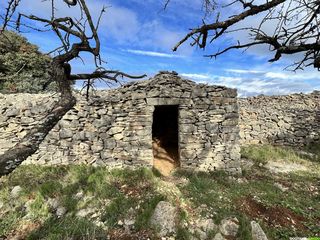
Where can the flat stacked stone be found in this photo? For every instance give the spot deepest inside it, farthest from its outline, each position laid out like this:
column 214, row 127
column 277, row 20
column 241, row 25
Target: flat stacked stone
column 114, row 128
column 292, row 120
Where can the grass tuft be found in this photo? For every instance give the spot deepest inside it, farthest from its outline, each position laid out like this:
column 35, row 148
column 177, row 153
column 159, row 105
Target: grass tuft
column 68, row 228
column 264, row 153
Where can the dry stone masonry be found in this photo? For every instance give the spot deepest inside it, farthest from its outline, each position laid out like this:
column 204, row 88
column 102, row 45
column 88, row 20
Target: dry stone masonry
column 292, row 120
column 115, row 127
column 19, row 113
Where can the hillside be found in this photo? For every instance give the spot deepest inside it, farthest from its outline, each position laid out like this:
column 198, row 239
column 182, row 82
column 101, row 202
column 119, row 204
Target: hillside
column 23, row 68
column 279, row 190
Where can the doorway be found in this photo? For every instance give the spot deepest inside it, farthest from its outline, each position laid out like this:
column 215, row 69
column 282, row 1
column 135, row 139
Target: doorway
column 165, row 140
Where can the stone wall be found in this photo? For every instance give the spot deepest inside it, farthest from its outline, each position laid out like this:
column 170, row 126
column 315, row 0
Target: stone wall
column 115, row 127
column 292, row 120
column 19, row 113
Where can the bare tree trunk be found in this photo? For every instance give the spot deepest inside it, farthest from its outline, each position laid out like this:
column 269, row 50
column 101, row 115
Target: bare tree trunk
column 28, row 145
column 68, row 30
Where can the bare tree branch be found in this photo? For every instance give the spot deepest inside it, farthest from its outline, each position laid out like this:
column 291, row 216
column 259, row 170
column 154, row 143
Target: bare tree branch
column 296, row 28
column 76, row 36
column 9, row 11
column 203, row 30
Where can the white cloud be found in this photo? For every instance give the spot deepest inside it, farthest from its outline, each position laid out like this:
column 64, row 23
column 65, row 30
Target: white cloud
column 243, row 71
column 196, row 76
column 154, row 35
column 153, row 54
column 277, row 73
column 121, row 24
column 248, row 85
column 292, row 76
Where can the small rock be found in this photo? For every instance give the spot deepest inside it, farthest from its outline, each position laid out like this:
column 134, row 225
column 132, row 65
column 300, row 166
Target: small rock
column 12, row 112
column 28, row 204
column 61, row 211
column 241, row 180
column 163, row 218
column 229, row 226
column 257, row 232
column 95, row 215
column 207, row 225
column 85, row 212
column 202, row 235
column 53, row 203
column 281, row 187
column 65, row 133
column 129, row 222
column 120, row 223
column 15, row 192
column 87, row 198
column 219, row 236
column 79, row 195
column 3, row 124
column 28, row 210
column 102, row 225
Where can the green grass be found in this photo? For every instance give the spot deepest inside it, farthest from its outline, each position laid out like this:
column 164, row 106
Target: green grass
column 264, row 153
column 221, row 195
column 114, row 194
column 313, row 148
column 9, row 222
column 98, row 185
column 68, row 228
column 183, row 233
column 146, row 211
column 50, row 188
column 39, row 210
column 117, row 209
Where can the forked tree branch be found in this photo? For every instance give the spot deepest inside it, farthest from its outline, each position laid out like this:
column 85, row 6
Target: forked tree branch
column 76, row 36
column 296, row 28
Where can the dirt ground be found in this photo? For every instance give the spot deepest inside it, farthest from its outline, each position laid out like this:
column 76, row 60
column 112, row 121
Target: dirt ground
column 274, row 216
column 165, row 159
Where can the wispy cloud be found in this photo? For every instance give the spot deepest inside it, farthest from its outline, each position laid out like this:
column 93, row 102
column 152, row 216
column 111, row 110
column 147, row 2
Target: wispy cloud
column 243, row 71
column 196, row 76
column 292, row 75
column 248, row 85
column 153, row 54
column 275, row 73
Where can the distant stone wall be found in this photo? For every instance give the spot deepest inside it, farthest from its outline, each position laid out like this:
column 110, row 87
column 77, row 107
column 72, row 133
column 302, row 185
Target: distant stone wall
column 115, row 127
column 292, row 120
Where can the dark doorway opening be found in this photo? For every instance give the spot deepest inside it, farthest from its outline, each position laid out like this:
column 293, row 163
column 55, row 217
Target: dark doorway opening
column 165, row 138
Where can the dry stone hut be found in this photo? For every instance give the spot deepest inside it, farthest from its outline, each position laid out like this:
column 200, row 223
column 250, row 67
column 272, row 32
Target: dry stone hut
column 165, row 122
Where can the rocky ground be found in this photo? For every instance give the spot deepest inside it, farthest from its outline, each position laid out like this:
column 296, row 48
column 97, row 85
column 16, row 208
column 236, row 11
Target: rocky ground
column 277, row 197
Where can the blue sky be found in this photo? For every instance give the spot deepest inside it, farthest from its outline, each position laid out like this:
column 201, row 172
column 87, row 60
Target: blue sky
column 137, row 37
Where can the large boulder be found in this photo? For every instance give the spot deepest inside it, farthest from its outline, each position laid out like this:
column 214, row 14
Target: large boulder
column 163, row 219
column 229, row 227
column 257, row 232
